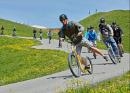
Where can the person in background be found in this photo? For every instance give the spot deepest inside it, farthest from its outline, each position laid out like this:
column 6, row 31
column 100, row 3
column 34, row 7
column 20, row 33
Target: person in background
column 91, row 37
column 14, row 31
column 49, row 34
column 2, row 30
column 107, row 36
column 118, row 33
column 40, row 33
column 86, row 36
column 86, row 32
column 34, row 33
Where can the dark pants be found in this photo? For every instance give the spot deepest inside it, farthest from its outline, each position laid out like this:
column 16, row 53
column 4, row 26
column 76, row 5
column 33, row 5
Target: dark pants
column 49, row 39
column 118, row 40
column 34, row 35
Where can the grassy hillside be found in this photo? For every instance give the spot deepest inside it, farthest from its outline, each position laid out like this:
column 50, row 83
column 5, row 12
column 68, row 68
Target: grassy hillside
column 120, row 16
column 21, row 29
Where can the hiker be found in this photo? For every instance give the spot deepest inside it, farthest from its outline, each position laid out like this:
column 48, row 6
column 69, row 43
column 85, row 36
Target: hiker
column 49, row 34
column 14, row 31
column 34, row 33
column 2, row 30
column 40, row 33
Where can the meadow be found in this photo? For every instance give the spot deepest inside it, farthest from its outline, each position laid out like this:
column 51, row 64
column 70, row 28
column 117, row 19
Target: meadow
column 19, row 62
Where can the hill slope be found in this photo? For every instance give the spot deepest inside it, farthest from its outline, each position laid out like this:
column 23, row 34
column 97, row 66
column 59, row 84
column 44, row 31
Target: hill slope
column 120, row 16
column 21, row 29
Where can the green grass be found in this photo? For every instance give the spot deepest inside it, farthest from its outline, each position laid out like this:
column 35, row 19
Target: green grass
column 116, row 85
column 22, row 29
column 18, row 61
column 120, row 16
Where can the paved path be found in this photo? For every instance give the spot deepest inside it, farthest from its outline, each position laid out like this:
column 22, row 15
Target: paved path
column 56, row 82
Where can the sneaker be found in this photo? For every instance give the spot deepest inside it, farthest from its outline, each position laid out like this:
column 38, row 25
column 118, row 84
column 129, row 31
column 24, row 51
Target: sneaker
column 87, row 67
column 105, row 57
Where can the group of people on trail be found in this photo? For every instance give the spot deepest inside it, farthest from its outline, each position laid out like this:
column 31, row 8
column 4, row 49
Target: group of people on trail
column 13, row 31
column 49, row 34
column 74, row 31
column 111, row 34
column 35, row 34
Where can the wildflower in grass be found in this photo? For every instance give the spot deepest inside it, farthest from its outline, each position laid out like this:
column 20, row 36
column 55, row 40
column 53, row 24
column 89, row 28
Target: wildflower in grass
column 21, row 62
column 15, row 47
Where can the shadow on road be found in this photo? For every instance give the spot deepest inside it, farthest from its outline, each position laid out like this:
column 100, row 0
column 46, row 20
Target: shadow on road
column 67, row 76
column 104, row 64
column 63, row 77
column 84, row 52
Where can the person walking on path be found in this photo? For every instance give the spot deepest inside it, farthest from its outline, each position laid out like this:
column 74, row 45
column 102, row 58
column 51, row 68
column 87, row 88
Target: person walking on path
column 40, row 33
column 49, row 34
column 14, row 31
column 2, row 30
column 34, row 33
